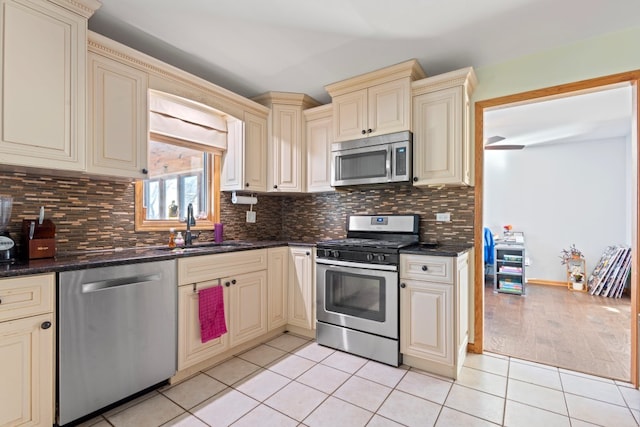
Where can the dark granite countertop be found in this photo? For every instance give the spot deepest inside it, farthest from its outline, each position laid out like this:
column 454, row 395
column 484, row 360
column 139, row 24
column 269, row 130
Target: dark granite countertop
column 103, row 258
column 446, row 250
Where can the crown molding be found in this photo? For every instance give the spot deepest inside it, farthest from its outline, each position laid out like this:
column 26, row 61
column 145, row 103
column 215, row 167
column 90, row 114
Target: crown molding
column 410, row 69
column 84, row 8
column 462, row 77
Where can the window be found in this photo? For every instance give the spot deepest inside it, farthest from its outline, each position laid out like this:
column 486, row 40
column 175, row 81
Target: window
column 179, row 175
column 181, row 178
column 186, row 142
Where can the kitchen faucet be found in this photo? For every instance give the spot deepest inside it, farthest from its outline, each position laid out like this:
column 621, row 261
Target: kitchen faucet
column 188, row 238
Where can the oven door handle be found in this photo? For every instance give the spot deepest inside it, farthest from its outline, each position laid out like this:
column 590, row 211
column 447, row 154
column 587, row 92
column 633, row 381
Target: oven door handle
column 381, row 267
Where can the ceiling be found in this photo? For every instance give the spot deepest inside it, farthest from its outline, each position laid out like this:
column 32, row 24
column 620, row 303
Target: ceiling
column 256, row 46
column 600, row 115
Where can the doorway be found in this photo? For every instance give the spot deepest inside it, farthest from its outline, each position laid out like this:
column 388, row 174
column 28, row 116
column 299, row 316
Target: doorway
column 630, row 79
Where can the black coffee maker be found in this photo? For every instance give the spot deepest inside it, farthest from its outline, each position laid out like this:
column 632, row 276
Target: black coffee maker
column 7, row 244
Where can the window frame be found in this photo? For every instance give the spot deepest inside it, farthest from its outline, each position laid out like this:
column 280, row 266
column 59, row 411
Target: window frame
column 213, row 184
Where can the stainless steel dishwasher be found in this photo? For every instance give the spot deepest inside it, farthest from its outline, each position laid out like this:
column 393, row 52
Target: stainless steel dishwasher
column 117, row 334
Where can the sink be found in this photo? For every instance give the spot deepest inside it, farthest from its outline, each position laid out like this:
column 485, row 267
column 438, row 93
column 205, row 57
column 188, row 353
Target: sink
column 207, row 246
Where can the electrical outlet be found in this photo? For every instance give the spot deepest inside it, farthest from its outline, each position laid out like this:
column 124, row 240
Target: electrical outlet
column 251, row 216
column 443, row 217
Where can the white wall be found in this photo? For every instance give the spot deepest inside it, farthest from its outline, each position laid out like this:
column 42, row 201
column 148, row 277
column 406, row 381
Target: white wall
column 559, row 195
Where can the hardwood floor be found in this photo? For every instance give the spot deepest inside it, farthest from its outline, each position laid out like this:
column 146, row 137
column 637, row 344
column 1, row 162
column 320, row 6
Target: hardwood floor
column 558, row 327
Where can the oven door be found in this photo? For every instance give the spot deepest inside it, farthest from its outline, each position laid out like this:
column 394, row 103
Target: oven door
column 359, row 297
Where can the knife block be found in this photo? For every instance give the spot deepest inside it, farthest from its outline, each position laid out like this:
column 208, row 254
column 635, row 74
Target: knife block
column 43, row 243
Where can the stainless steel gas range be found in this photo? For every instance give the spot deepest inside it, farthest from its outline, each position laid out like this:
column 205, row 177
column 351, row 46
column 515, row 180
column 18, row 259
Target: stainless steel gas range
column 357, row 303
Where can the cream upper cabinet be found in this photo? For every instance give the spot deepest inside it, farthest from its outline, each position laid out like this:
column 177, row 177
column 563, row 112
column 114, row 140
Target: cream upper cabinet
column 301, row 293
column 43, row 74
column 434, row 312
column 442, row 146
column 26, row 350
column 319, row 136
column 118, row 116
column 255, row 156
column 375, row 103
column 244, row 164
column 277, row 286
column 378, row 110
column 286, row 160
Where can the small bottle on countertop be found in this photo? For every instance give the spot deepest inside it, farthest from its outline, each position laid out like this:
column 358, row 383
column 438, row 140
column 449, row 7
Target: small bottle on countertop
column 218, row 233
column 172, row 234
column 179, row 240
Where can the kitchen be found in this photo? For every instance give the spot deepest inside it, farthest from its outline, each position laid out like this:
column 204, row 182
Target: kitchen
column 102, row 210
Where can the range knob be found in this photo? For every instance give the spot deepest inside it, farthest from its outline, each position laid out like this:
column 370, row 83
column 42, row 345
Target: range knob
column 335, row 254
column 369, row 257
column 326, row 253
column 381, row 257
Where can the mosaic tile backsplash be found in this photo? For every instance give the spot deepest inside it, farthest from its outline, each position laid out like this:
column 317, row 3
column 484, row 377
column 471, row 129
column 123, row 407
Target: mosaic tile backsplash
column 99, row 214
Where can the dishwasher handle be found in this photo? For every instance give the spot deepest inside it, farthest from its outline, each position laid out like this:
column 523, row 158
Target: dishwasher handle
column 121, row 281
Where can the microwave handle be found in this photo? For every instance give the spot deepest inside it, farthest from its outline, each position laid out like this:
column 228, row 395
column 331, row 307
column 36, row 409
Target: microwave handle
column 389, row 162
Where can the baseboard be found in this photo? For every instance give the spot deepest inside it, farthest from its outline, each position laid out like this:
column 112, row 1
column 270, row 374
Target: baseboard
column 545, row 282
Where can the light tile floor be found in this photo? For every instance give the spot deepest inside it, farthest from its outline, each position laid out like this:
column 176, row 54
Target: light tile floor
column 291, row 381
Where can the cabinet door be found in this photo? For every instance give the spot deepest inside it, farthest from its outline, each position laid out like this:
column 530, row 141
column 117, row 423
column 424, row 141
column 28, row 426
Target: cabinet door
column 286, row 160
column 462, row 301
column 426, row 320
column 438, row 137
column 301, row 304
column 278, row 261
column 43, row 75
column 248, row 306
column 389, row 107
column 26, row 369
column 350, row 115
column 319, row 136
column 232, row 173
column 118, row 114
column 191, row 350
column 255, row 152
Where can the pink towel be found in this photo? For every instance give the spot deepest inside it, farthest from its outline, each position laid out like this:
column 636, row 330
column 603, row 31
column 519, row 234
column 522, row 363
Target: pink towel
column 211, row 313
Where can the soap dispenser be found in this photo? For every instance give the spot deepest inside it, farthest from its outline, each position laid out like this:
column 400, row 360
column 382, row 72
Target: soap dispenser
column 172, row 240
column 179, row 239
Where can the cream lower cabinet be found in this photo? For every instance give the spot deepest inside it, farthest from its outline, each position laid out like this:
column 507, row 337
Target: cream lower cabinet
column 118, row 111
column 301, row 305
column 247, row 306
column 243, row 276
column 26, row 350
column 43, row 73
column 434, row 313
column 191, row 350
column 442, row 146
column 277, row 283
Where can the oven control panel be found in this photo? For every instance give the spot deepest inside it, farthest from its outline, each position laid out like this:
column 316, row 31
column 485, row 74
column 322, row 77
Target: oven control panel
column 371, row 257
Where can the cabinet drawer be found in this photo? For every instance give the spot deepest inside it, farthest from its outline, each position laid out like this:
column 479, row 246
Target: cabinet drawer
column 209, row 267
column 26, row 296
column 431, row 268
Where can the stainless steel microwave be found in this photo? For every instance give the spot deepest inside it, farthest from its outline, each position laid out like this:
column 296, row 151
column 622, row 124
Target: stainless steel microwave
column 375, row 160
